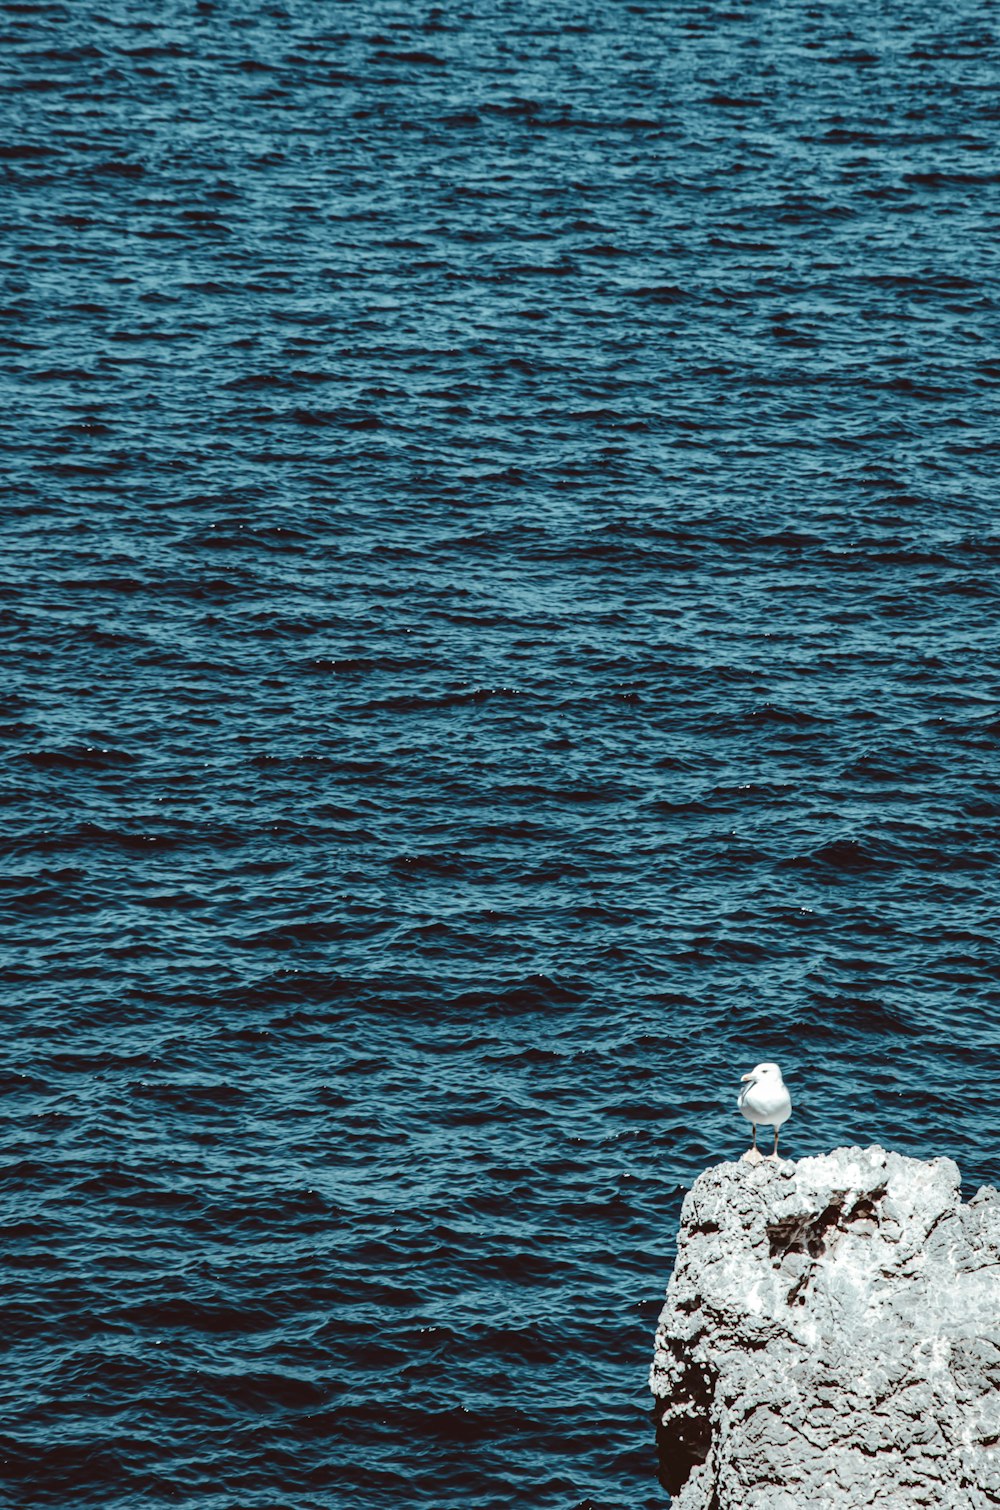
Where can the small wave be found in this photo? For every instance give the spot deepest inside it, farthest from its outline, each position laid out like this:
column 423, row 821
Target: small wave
column 190, row 1098
column 416, row 58
column 80, row 758
column 846, row 856
column 441, row 701
column 294, row 935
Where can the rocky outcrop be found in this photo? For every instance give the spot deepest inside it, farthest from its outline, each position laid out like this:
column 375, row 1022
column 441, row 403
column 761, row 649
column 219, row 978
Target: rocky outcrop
column 831, row 1337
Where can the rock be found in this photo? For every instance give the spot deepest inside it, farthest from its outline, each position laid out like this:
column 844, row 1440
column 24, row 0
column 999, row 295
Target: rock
column 831, row 1337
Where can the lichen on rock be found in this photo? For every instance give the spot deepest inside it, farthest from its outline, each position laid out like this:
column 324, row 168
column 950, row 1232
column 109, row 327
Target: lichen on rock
column 831, row 1338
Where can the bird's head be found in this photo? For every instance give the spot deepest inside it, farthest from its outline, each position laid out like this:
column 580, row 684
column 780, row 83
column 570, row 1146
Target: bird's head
column 759, row 1071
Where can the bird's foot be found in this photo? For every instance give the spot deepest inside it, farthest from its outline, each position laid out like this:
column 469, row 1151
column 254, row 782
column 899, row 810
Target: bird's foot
column 753, row 1156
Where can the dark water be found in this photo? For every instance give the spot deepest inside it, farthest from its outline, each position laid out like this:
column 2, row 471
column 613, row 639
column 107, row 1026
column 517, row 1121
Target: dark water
column 500, row 614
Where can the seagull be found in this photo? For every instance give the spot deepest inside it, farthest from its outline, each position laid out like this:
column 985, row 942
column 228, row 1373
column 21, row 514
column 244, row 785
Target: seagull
column 764, row 1098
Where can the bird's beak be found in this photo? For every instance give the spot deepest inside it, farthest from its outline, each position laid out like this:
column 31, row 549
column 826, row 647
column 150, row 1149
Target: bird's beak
column 745, row 1078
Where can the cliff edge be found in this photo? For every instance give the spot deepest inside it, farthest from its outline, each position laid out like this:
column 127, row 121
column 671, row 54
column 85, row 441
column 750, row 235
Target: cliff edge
column 831, row 1337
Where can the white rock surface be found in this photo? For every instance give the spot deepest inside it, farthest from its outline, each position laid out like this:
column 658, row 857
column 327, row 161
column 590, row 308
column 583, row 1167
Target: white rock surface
column 831, row 1337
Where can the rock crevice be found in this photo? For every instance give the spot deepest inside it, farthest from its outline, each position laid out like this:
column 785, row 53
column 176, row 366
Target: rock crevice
column 831, row 1337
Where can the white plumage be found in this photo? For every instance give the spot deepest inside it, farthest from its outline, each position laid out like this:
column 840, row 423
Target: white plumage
column 764, row 1099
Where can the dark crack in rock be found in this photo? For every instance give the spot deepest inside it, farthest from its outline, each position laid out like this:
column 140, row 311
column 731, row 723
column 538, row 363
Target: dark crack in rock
column 831, row 1337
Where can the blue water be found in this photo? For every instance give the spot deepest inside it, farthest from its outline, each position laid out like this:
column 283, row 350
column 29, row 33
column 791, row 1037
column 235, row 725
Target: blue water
column 500, row 623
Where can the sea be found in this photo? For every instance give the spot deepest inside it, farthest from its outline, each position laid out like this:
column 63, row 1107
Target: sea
column 500, row 634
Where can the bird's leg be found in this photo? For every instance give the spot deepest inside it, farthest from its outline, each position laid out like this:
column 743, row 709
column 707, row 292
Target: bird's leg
column 775, row 1153
column 752, row 1154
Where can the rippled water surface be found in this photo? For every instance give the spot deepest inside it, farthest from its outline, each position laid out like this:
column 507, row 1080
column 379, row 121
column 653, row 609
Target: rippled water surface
column 499, row 612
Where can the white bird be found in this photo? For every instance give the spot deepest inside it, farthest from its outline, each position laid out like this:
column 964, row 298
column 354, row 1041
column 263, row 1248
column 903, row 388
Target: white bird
column 764, row 1098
